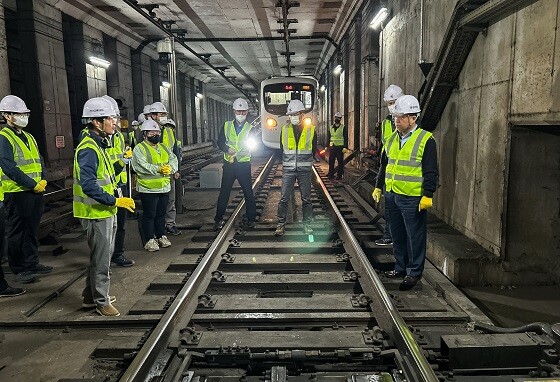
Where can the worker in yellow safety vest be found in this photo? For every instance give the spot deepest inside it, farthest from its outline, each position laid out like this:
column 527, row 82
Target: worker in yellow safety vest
column 409, row 174
column 23, row 182
column 298, row 144
column 337, row 142
column 153, row 163
column 237, row 142
column 96, row 201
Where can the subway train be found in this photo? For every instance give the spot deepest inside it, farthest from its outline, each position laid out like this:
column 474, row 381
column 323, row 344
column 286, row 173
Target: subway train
column 275, row 95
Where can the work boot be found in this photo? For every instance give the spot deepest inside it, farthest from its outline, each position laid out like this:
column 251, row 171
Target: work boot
column 384, row 241
column 108, row 311
column 121, row 261
column 279, row 230
column 409, row 282
column 219, row 225
column 91, row 304
column 250, row 224
column 172, row 230
column 164, row 242
column 12, row 292
column 307, row 229
column 152, row 245
column 26, row 277
column 41, row 269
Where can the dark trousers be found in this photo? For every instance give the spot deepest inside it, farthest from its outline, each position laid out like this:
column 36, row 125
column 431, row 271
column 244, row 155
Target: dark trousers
column 289, row 178
column 387, row 232
column 24, row 210
column 3, row 283
column 242, row 172
column 336, row 153
column 154, row 207
column 408, row 228
column 121, row 219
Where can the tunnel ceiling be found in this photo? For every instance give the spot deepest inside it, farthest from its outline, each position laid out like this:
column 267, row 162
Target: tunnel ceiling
column 248, row 61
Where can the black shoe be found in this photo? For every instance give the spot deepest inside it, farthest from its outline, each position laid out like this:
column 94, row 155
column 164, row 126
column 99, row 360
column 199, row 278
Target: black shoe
column 25, row 277
column 250, row 224
column 339, row 177
column 219, row 225
column 394, row 274
column 409, row 282
column 41, row 269
column 122, row 261
column 384, row 241
column 172, row 230
column 12, row 292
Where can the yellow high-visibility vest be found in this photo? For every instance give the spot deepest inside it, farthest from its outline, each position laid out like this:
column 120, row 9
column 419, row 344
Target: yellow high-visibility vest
column 297, row 155
column 158, row 158
column 403, row 174
column 85, row 207
column 115, row 152
column 337, row 135
column 237, row 142
column 27, row 159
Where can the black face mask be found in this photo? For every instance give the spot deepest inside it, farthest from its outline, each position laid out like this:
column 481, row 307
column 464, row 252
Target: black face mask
column 337, row 121
column 154, row 139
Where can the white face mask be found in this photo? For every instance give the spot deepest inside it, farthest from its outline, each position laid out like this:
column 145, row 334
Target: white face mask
column 294, row 119
column 21, row 120
column 240, row 118
column 391, row 108
column 162, row 120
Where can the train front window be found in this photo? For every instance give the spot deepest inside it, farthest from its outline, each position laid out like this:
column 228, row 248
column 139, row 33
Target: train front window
column 278, row 96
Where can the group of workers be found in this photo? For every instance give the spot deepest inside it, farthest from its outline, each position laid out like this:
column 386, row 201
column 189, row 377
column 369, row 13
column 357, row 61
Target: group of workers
column 103, row 163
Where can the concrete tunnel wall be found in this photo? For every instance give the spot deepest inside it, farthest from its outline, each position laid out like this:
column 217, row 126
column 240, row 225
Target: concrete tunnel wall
column 510, row 78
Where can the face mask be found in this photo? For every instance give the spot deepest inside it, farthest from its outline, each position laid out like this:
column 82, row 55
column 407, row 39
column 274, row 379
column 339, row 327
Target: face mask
column 163, row 120
column 21, row 120
column 153, row 139
column 391, row 108
column 240, row 118
column 294, row 119
column 337, row 121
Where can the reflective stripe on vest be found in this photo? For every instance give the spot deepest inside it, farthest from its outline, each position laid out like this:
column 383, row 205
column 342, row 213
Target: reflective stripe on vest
column 115, row 152
column 297, row 156
column 27, row 159
column 386, row 130
column 403, row 174
column 160, row 158
column 168, row 138
column 85, row 207
column 337, row 136
column 237, row 142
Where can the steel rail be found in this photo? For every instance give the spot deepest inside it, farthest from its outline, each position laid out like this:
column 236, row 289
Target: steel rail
column 417, row 365
column 157, row 341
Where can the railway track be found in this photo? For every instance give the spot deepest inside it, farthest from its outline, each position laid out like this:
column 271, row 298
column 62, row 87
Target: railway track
column 243, row 305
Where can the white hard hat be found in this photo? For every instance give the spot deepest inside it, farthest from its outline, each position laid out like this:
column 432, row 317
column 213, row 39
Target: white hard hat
column 135, row 123
column 295, row 107
column 158, row 107
column 13, row 104
column 141, row 118
column 150, row 125
column 392, row 93
column 240, row 104
column 113, row 103
column 337, row 114
column 98, row 107
column 407, row 104
column 170, row 122
column 146, row 109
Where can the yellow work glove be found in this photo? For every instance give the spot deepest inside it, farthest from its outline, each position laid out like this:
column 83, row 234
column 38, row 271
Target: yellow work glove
column 127, row 203
column 425, row 203
column 127, row 154
column 40, row 186
column 165, row 169
column 376, row 195
column 345, row 150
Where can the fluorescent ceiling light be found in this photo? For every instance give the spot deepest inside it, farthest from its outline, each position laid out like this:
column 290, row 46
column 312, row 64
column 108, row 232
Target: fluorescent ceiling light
column 379, row 18
column 337, row 69
column 99, row 62
column 166, row 84
column 198, row 95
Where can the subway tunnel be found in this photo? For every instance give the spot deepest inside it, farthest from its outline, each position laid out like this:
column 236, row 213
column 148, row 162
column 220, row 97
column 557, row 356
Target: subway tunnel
column 485, row 75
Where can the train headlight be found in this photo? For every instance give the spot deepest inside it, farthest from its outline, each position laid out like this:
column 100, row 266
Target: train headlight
column 307, row 121
column 271, row 122
column 251, row 143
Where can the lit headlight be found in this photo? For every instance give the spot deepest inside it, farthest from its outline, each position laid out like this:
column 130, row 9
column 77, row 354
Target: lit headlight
column 307, row 121
column 271, row 122
column 251, row 143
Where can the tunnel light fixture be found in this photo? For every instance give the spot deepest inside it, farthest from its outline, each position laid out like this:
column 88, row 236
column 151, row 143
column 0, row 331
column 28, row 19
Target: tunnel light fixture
column 322, row 88
column 379, row 18
column 337, row 69
column 166, row 84
column 99, row 62
column 199, row 96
